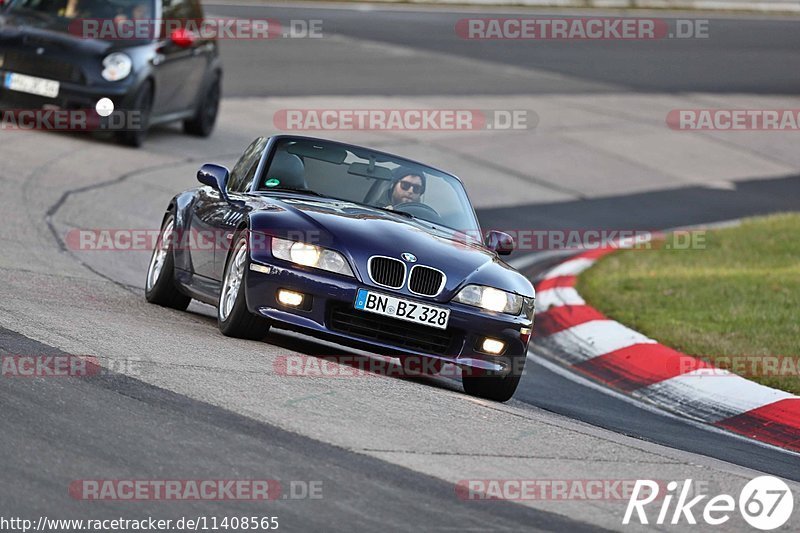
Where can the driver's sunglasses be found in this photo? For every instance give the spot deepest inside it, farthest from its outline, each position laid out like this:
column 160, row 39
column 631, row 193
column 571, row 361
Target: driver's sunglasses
column 406, row 186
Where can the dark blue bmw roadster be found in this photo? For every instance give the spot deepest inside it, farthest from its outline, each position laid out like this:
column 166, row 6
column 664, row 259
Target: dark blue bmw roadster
column 348, row 244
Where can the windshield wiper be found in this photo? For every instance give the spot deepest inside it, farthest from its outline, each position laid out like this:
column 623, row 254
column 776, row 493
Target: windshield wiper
column 299, row 191
column 407, row 215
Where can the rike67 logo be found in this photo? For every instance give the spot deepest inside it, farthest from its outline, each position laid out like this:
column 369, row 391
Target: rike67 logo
column 765, row 503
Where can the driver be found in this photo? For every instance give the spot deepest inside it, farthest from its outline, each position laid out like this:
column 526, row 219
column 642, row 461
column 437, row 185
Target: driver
column 407, row 186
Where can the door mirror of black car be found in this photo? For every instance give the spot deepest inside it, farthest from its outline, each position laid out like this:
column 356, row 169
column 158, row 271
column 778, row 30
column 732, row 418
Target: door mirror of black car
column 500, row 242
column 215, row 176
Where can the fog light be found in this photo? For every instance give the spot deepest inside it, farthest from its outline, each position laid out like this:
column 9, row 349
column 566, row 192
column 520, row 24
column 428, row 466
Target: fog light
column 290, row 298
column 493, row 346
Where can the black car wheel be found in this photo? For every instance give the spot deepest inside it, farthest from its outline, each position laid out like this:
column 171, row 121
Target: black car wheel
column 233, row 317
column 490, row 386
column 202, row 124
column 160, row 285
column 142, row 104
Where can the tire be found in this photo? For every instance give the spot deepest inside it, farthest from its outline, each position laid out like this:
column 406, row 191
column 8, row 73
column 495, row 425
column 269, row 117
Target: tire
column 160, row 285
column 233, row 317
column 205, row 118
column 143, row 103
column 492, row 387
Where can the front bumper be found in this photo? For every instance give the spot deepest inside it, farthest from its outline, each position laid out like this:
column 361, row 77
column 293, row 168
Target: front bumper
column 70, row 95
column 331, row 313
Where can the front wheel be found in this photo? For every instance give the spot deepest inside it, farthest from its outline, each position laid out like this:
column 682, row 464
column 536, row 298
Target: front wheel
column 159, row 287
column 143, row 105
column 205, row 117
column 491, row 386
column 233, row 317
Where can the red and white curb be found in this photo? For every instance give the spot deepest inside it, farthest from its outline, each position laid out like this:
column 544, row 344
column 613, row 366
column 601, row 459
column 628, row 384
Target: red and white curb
column 626, row 360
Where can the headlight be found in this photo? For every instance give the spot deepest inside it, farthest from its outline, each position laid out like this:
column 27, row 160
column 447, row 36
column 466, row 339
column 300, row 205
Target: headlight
column 117, row 66
column 311, row 256
column 490, row 299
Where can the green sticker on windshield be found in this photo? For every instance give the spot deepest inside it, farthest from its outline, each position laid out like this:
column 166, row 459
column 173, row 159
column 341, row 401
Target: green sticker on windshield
column 272, row 182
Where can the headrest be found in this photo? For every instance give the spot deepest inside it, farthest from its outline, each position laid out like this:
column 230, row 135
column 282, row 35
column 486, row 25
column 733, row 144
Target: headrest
column 289, row 170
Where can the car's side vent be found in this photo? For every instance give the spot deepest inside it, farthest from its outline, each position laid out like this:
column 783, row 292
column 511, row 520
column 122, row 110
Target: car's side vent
column 426, row 281
column 387, row 272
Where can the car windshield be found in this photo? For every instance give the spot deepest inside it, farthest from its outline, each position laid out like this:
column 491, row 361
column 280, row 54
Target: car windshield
column 370, row 178
column 66, row 15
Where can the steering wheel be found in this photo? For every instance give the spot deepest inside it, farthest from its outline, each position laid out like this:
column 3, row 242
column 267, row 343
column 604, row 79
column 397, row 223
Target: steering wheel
column 420, row 210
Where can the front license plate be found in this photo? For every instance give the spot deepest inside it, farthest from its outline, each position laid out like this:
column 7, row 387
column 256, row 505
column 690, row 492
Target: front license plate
column 31, row 85
column 386, row 305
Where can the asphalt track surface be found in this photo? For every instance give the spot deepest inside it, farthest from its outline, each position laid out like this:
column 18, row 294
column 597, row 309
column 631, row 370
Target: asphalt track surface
column 117, row 426
column 369, row 494
column 749, row 55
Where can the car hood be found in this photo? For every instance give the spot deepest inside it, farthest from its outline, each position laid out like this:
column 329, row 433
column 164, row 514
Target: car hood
column 361, row 232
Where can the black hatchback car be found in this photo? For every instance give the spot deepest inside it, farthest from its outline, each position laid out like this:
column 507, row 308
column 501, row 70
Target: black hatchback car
column 163, row 75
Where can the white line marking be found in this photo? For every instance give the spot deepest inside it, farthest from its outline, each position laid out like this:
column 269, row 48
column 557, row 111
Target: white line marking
column 711, row 395
column 642, row 404
column 557, row 297
column 573, row 267
column 524, row 261
column 592, row 339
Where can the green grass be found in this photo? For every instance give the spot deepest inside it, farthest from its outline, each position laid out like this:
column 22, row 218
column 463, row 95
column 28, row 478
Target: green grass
column 736, row 295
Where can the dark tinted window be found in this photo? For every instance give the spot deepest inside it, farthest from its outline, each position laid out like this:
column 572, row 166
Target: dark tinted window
column 73, row 16
column 244, row 171
column 174, row 15
column 175, row 9
column 195, row 10
column 250, row 177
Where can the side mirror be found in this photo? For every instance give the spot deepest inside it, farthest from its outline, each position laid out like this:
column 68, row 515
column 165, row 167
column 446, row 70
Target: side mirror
column 500, row 242
column 215, row 176
column 182, row 38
